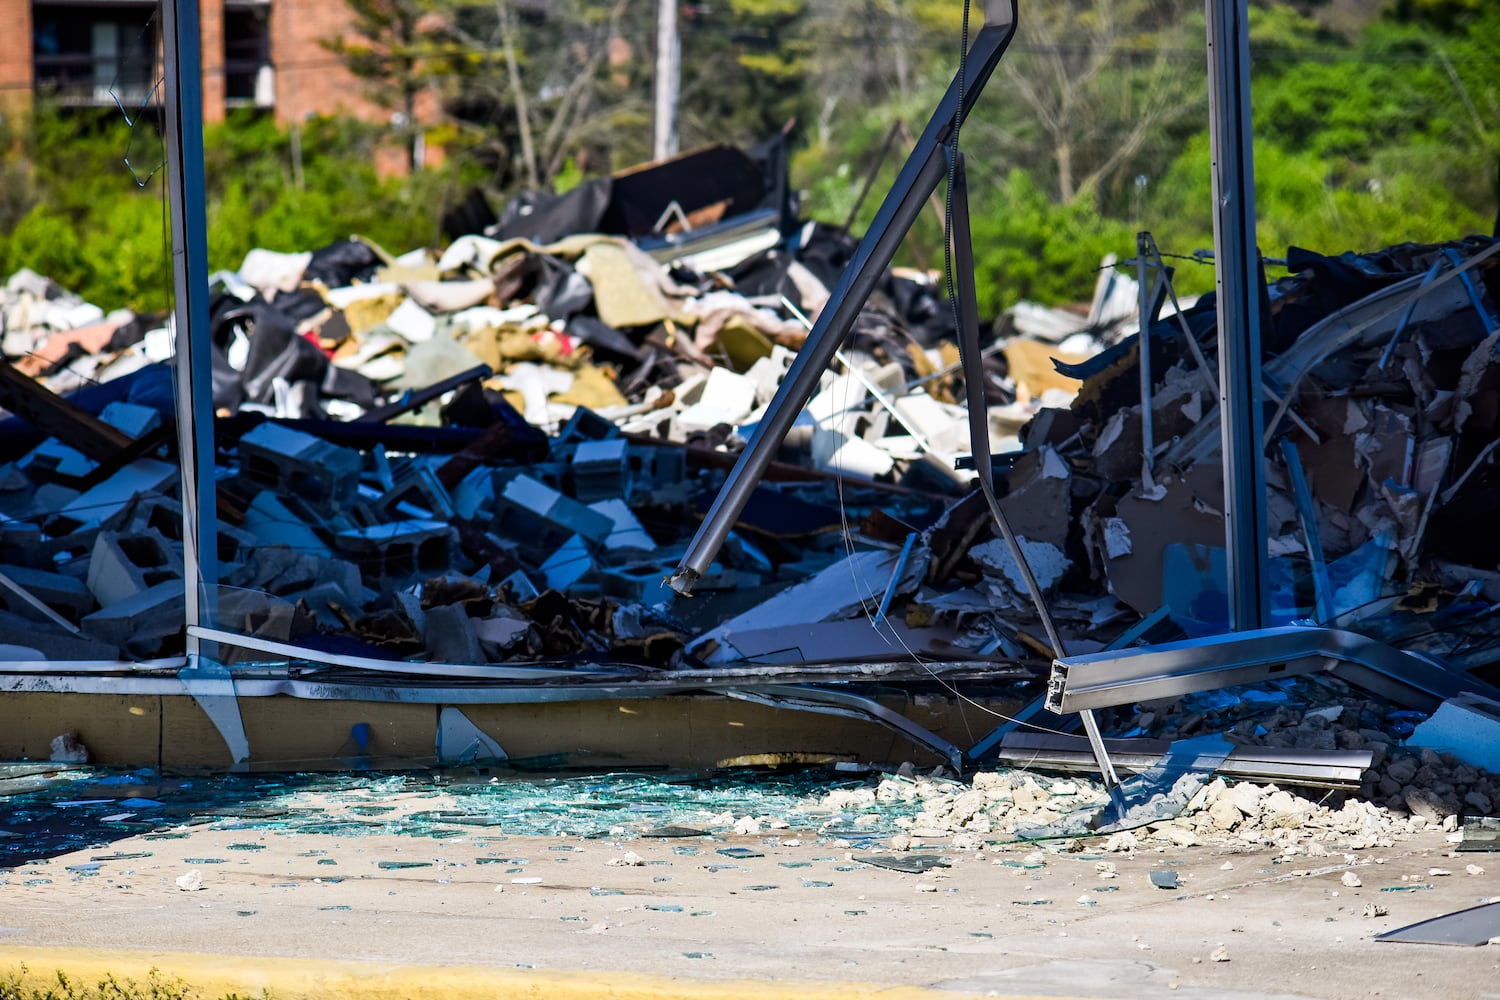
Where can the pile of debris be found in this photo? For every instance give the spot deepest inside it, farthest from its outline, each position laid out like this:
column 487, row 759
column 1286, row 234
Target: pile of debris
column 495, row 455
column 517, row 419
column 419, row 456
column 1407, row 787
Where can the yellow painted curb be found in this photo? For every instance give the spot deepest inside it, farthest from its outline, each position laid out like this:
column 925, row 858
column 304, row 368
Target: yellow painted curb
column 210, row 977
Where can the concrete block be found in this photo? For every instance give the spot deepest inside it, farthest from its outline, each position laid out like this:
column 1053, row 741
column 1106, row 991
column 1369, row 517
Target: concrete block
column 449, row 636
column 268, row 521
column 19, row 542
column 474, row 492
column 91, row 508
column 324, row 475
column 68, row 546
column 540, row 519
column 399, row 551
column 585, row 425
column 121, row 566
column 627, row 539
column 64, row 594
column 141, row 623
column 570, row 566
column 235, row 544
column 53, row 642
column 658, row 472
column 601, row 470
column 130, row 418
column 416, row 493
column 150, row 513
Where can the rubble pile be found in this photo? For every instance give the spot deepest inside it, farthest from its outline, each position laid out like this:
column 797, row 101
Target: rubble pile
column 1406, row 788
column 1011, row 805
column 553, row 462
column 496, row 453
column 551, row 450
column 1404, row 776
column 1379, row 410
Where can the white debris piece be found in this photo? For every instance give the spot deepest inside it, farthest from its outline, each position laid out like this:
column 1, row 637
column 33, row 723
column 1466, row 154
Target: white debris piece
column 1047, row 561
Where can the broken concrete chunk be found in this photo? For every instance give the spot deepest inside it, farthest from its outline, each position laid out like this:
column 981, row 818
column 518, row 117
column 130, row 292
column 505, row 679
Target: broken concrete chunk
column 300, row 465
column 121, row 566
column 96, row 505
column 523, row 505
column 1047, row 561
column 726, row 398
column 450, row 637
column 68, row 749
column 142, row 622
column 398, row 551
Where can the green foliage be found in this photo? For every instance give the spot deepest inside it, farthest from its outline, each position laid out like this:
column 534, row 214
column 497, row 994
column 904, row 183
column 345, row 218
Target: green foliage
column 1385, row 134
column 1027, row 246
column 14, row 985
column 1369, row 131
column 1445, row 15
column 87, row 224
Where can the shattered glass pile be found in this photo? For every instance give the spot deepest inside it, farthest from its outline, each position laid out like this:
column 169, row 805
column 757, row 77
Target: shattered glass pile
column 48, row 811
column 90, row 808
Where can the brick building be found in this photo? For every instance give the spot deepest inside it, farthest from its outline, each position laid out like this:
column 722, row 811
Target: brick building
column 256, row 53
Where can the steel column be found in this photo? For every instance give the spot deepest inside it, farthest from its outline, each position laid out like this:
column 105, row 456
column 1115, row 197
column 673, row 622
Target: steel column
column 1237, row 281
column 923, row 171
column 183, row 111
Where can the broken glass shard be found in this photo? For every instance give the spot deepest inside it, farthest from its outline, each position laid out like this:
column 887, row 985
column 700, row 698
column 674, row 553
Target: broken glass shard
column 902, row 863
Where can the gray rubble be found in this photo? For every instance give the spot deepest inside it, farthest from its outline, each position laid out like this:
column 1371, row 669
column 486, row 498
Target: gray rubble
column 496, row 453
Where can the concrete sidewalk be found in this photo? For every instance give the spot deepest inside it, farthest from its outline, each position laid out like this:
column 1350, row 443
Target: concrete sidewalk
column 392, row 916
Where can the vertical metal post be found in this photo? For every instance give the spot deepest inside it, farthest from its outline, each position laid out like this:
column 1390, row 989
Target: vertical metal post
column 668, row 68
column 924, row 170
column 183, row 111
column 1143, row 348
column 1237, row 280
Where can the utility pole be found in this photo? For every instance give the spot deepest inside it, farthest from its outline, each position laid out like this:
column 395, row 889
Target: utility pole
column 668, row 73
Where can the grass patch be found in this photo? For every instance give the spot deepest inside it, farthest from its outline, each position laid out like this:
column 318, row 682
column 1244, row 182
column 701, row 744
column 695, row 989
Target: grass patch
column 20, row 985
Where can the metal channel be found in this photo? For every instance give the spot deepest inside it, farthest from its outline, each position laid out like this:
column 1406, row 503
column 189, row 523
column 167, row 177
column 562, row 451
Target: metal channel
column 920, row 176
column 1310, row 768
column 1102, row 680
column 845, row 703
column 183, row 110
column 1237, row 281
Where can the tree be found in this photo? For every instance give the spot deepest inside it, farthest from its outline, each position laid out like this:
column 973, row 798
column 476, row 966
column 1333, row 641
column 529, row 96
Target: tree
column 391, row 46
column 1100, row 80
